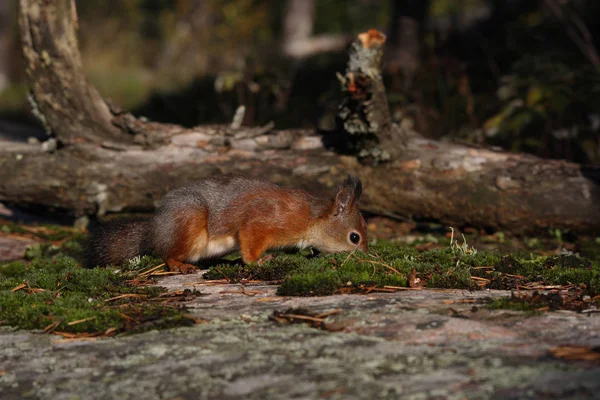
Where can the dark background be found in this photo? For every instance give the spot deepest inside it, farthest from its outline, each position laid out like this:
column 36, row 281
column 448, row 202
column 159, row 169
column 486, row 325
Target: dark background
column 520, row 74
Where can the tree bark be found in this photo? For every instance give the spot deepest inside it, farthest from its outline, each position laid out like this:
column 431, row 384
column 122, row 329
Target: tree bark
column 64, row 101
column 4, row 42
column 427, row 180
column 433, row 180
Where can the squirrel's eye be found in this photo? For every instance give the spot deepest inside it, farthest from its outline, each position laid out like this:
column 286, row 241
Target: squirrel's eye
column 354, row 237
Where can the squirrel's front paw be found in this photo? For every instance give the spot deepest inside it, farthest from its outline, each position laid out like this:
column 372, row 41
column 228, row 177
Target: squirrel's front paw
column 265, row 258
column 177, row 266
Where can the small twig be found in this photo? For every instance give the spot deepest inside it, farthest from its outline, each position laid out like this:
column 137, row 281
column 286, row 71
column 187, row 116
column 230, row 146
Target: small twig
column 151, row 270
column 81, row 335
column 302, row 317
column 165, row 273
column 52, row 326
column 515, row 276
column 402, row 287
column 74, row 339
column 110, row 331
column 79, row 321
column 124, row 296
column 380, row 262
column 251, row 293
column 215, row 282
column 224, row 276
column 383, row 289
column 19, row 287
column 30, row 290
column 545, row 287
column 251, row 133
column 590, row 311
column 127, row 317
column 347, row 258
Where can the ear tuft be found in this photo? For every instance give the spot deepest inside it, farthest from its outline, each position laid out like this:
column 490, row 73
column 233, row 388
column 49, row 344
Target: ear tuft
column 348, row 193
column 352, row 182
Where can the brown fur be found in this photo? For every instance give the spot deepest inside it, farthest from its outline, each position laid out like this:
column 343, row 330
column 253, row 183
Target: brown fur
column 216, row 216
column 277, row 218
column 191, row 235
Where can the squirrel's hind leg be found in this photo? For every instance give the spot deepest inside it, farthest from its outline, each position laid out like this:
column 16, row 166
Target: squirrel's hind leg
column 191, row 239
column 255, row 239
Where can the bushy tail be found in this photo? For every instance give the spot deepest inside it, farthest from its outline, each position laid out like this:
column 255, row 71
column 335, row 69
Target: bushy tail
column 113, row 242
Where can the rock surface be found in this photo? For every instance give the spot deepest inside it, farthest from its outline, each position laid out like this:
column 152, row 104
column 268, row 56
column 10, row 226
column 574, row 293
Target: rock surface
column 429, row 344
column 13, row 247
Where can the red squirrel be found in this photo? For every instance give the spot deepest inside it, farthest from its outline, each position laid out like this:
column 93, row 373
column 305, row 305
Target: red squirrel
column 216, row 216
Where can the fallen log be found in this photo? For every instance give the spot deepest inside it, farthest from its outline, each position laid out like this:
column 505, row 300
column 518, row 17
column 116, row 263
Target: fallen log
column 433, row 180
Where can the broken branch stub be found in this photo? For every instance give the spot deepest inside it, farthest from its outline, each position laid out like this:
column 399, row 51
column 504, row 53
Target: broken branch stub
column 364, row 109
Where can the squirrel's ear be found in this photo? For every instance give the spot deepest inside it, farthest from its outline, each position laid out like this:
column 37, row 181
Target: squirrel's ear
column 348, row 194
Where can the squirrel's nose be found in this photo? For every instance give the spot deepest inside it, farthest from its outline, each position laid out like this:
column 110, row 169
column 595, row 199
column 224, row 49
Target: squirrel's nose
column 364, row 247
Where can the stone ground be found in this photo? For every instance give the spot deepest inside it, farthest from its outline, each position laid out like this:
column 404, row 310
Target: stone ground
column 429, row 344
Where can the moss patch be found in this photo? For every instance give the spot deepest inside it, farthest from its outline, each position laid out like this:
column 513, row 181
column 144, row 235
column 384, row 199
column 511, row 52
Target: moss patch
column 513, row 303
column 391, row 265
column 52, row 292
column 550, row 301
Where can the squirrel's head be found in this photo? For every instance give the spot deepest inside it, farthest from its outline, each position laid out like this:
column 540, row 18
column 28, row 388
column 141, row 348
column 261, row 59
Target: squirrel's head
column 343, row 228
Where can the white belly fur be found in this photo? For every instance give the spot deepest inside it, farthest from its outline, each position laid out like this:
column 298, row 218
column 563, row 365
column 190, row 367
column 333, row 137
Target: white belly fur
column 303, row 244
column 219, row 246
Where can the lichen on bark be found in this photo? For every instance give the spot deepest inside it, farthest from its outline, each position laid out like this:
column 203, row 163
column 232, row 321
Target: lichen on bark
column 364, row 109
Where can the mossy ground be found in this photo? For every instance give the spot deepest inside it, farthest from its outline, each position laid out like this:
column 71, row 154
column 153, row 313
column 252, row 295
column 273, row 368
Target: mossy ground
column 49, row 289
column 392, row 265
column 431, row 261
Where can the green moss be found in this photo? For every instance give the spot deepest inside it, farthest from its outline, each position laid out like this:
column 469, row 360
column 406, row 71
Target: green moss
column 590, row 248
column 272, row 270
column 332, row 274
column 538, row 301
column 453, row 267
column 568, row 261
column 13, row 269
column 53, row 289
column 512, row 303
column 508, row 264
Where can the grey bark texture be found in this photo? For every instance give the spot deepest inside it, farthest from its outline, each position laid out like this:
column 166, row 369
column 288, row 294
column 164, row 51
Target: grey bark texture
column 71, row 107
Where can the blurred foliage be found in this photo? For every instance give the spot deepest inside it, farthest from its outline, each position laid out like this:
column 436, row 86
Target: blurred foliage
column 546, row 101
column 509, row 74
column 493, row 72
